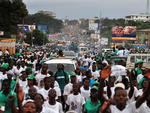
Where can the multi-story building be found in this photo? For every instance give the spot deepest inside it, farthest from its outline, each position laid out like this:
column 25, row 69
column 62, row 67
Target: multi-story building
column 138, row 17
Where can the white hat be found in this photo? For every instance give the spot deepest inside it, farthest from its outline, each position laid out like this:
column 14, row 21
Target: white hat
column 120, row 85
column 26, row 101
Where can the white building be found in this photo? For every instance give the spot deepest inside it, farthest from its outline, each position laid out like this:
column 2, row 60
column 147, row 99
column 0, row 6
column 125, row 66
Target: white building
column 138, row 17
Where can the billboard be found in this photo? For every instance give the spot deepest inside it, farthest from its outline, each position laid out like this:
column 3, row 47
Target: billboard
column 42, row 28
column 93, row 26
column 124, row 33
column 27, row 28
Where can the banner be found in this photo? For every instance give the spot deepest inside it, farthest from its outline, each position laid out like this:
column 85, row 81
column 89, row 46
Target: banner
column 27, row 28
column 124, row 33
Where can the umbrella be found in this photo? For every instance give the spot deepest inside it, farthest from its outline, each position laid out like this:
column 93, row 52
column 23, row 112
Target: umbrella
column 118, row 70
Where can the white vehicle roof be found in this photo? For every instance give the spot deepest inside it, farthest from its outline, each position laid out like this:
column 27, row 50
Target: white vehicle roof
column 60, row 61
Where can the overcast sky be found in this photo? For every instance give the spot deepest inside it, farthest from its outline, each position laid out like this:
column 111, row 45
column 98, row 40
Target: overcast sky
column 74, row 9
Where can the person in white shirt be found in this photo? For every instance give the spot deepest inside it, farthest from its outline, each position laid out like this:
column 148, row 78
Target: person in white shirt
column 86, row 61
column 57, row 89
column 142, row 105
column 17, row 69
column 44, row 91
column 85, row 89
column 44, row 73
column 120, row 53
column 39, row 101
column 52, row 103
column 121, row 106
column 49, row 84
column 23, row 80
column 31, row 93
column 68, row 88
column 75, row 101
column 1, row 53
column 94, row 72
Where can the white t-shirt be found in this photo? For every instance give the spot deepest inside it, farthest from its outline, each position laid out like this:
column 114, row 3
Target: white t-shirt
column 57, row 107
column 75, row 102
column 95, row 74
column 120, row 53
column 40, row 77
column 44, row 92
column 23, row 84
column 17, row 71
column 79, row 78
column 136, row 93
column 112, row 92
column 86, row 61
column 85, row 93
column 127, row 109
column 68, row 89
column 143, row 108
column 47, row 110
column 1, row 53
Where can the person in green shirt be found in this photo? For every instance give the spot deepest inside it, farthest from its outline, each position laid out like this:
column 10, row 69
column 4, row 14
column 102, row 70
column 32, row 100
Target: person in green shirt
column 12, row 82
column 138, row 70
column 61, row 76
column 92, row 105
column 8, row 98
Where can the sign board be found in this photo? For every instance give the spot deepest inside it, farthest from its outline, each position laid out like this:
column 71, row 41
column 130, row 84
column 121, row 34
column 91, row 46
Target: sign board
column 124, row 33
column 93, row 26
column 27, row 28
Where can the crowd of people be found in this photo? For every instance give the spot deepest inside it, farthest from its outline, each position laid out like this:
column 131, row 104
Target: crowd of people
column 28, row 85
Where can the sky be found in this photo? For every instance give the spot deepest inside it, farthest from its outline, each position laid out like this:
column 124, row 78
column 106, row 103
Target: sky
column 75, row 9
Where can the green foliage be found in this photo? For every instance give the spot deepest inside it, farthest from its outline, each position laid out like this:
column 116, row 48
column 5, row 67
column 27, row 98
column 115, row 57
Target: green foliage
column 53, row 25
column 36, row 38
column 11, row 14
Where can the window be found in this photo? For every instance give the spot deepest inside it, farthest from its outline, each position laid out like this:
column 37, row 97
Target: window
column 148, row 58
column 138, row 58
column 132, row 59
column 144, row 58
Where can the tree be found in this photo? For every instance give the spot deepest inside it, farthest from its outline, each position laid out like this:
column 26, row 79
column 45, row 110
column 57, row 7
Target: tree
column 53, row 25
column 36, row 37
column 11, row 13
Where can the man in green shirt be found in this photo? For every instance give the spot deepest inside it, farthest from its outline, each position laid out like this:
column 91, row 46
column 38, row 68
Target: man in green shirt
column 92, row 105
column 8, row 98
column 61, row 76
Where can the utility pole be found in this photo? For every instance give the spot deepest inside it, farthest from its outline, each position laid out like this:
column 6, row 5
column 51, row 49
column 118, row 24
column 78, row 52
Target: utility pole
column 147, row 8
column 99, row 27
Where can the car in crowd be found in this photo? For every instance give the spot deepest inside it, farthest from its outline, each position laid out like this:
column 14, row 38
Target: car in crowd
column 69, row 64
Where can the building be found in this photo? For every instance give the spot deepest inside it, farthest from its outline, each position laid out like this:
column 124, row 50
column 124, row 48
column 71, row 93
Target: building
column 94, row 23
column 138, row 17
column 143, row 36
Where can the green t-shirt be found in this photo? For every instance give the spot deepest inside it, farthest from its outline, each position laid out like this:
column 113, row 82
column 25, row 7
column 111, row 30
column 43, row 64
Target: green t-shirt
column 139, row 71
column 61, row 78
column 116, row 51
column 12, row 84
column 90, row 108
column 4, row 101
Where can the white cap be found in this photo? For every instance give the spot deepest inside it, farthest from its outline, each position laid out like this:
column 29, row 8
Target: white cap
column 26, row 101
column 120, row 85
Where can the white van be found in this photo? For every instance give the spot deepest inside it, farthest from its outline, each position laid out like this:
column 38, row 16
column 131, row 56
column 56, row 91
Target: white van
column 69, row 64
column 132, row 58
